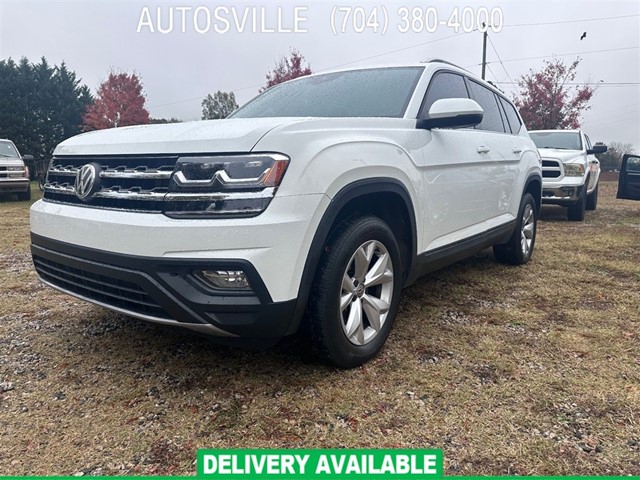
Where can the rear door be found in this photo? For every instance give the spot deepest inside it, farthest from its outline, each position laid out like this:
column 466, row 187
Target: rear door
column 629, row 181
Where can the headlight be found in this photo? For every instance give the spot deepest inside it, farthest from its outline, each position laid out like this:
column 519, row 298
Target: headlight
column 573, row 169
column 223, row 186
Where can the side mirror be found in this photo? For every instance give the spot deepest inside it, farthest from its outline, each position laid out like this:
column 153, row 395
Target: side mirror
column 597, row 148
column 452, row 112
column 27, row 158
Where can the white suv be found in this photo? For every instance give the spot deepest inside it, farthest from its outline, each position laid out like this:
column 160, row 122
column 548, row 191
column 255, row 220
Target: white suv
column 570, row 170
column 314, row 204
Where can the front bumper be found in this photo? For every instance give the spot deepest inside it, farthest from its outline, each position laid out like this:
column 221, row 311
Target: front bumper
column 565, row 193
column 164, row 290
column 14, row 185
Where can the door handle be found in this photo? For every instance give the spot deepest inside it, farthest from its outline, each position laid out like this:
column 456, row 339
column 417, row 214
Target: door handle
column 517, row 149
column 483, row 149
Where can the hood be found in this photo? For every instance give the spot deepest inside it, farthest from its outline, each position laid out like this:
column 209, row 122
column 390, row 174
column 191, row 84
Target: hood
column 565, row 156
column 228, row 135
column 11, row 162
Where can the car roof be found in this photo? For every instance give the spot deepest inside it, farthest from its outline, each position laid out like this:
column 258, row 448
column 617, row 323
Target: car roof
column 433, row 62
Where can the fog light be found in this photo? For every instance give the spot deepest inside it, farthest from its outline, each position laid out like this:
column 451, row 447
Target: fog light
column 226, row 279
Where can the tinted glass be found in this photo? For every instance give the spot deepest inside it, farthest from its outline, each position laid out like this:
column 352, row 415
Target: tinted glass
column 588, row 142
column 512, row 116
column 633, row 164
column 7, row 150
column 491, row 119
column 377, row 92
column 443, row 85
column 559, row 140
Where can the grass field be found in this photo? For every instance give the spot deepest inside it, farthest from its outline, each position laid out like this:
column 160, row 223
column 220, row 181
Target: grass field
column 530, row 370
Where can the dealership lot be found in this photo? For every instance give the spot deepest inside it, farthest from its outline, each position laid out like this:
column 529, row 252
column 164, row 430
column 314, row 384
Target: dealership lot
column 531, row 370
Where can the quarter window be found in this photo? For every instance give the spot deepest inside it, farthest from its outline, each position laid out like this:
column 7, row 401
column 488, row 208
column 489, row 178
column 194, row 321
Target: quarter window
column 491, row 119
column 512, row 115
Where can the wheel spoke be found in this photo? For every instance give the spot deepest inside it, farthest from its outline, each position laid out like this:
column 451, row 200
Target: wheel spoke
column 354, row 321
column 362, row 259
column 347, row 283
column 527, row 230
column 345, row 300
column 379, row 273
column 374, row 308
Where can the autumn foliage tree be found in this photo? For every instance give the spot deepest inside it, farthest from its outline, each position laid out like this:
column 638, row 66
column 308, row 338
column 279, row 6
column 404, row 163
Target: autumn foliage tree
column 119, row 102
column 287, row 69
column 549, row 99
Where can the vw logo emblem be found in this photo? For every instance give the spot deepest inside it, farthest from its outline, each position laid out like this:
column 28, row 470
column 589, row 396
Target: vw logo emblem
column 87, row 181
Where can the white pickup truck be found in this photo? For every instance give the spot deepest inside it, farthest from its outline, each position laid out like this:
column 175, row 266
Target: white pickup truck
column 14, row 174
column 570, row 170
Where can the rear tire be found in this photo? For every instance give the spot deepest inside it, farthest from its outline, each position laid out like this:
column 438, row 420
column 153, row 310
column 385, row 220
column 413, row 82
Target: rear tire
column 519, row 248
column 592, row 199
column 355, row 295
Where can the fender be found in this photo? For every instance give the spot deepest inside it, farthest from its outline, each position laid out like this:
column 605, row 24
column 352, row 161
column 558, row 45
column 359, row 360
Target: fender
column 344, row 196
column 530, row 179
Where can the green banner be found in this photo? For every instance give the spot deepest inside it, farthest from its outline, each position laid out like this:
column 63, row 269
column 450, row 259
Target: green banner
column 331, row 464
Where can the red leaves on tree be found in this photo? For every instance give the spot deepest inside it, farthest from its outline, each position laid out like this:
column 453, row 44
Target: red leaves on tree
column 547, row 100
column 287, row 69
column 119, row 102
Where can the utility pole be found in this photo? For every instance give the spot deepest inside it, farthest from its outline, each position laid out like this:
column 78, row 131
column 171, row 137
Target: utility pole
column 484, row 49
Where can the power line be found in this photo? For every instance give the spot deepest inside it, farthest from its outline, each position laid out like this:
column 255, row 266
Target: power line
column 589, row 83
column 499, row 59
column 561, row 55
column 570, row 21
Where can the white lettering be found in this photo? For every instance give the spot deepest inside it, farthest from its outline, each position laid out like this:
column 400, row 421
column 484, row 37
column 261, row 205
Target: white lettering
column 323, row 465
column 217, row 14
column 145, row 20
column 196, row 19
column 210, row 464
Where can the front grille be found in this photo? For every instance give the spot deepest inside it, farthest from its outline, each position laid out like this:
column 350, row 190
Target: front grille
column 101, row 288
column 551, row 168
column 13, row 174
column 128, row 182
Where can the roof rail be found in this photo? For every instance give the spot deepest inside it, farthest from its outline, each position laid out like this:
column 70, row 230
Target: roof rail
column 440, row 60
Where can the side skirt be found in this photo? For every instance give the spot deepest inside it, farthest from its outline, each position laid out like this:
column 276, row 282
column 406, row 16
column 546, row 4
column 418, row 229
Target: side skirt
column 433, row 260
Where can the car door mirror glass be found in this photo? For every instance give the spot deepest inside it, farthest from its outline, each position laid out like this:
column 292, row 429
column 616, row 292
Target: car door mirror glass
column 597, row 148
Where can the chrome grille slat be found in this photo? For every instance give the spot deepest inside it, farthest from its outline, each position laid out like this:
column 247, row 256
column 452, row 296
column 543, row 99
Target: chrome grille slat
column 129, row 182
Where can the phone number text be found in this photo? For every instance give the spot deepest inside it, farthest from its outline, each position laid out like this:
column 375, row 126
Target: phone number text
column 378, row 19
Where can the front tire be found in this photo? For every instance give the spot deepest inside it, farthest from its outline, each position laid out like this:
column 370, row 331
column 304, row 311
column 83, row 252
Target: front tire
column 355, row 295
column 592, row 199
column 25, row 196
column 519, row 248
column 575, row 213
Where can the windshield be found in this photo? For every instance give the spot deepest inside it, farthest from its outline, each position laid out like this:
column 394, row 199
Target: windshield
column 7, row 150
column 377, row 92
column 560, row 140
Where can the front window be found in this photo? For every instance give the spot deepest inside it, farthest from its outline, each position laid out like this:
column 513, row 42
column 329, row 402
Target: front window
column 375, row 92
column 7, row 150
column 559, row 140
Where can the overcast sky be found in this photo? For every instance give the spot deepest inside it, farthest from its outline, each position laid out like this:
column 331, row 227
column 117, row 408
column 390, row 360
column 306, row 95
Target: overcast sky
column 179, row 68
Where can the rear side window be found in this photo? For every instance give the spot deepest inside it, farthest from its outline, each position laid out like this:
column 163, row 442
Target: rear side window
column 491, row 119
column 512, row 115
column 443, row 85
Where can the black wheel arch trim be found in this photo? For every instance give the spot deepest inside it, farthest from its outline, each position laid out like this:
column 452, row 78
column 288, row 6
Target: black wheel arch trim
column 348, row 193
